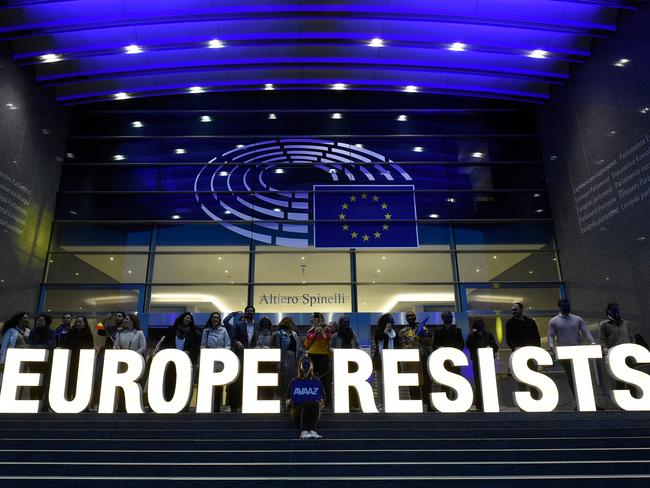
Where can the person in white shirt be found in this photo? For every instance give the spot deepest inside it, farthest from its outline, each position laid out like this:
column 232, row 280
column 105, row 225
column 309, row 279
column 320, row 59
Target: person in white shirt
column 215, row 336
column 130, row 336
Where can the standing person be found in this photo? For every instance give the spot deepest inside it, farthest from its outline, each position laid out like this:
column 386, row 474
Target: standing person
column 264, row 337
column 565, row 329
column 345, row 338
column 184, row 337
column 78, row 337
column 41, row 337
column 286, row 339
column 477, row 339
column 448, row 336
column 62, row 330
column 244, row 336
column 521, row 330
column 14, row 334
column 317, row 345
column 305, row 398
column 408, row 339
column 130, row 336
column 215, row 336
column 614, row 331
column 385, row 338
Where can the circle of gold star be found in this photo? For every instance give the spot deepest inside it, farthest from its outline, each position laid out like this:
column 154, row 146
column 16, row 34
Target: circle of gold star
column 364, row 196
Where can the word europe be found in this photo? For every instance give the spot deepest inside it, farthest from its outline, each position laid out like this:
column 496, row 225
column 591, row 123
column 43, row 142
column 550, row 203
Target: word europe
column 123, row 370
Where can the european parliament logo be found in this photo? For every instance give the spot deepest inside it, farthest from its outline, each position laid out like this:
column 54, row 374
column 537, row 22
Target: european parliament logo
column 358, row 216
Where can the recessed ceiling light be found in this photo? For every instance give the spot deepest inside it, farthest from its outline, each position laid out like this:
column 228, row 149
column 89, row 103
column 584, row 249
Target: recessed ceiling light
column 129, row 271
column 640, row 239
column 302, row 258
column 494, row 257
column 378, row 271
column 376, row 42
column 132, row 49
column 278, row 171
column 434, row 216
column 337, row 116
column 418, row 149
column 227, row 212
column 645, row 110
column 196, row 89
column 239, row 146
column 539, row 210
column 11, row 106
column 121, row 96
column 478, row 154
column 272, row 117
column 383, row 257
column 621, row 62
column 537, row 195
column 269, row 86
column 206, row 118
column 339, row 86
column 402, row 118
column 277, row 210
column 478, row 270
column 176, row 217
column 50, row 58
column 451, row 200
column 360, row 146
column 179, row 150
column 216, row 44
column 538, row 54
column 223, row 173
column 411, row 89
column 457, row 46
column 118, row 157
column 136, row 124
column 111, row 258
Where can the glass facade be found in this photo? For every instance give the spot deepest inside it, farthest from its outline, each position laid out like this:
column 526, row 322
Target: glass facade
column 357, row 210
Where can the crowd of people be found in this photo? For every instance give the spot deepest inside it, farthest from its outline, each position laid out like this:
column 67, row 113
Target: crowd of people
column 305, row 369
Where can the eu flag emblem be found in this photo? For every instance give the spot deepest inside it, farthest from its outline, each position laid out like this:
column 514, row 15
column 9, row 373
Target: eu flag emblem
column 357, row 216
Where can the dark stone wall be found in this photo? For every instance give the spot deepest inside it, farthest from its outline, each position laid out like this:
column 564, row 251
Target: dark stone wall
column 595, row 135
column 32, row 142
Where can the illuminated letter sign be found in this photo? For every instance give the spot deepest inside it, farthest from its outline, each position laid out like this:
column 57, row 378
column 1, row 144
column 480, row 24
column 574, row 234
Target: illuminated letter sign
column 253, row 379
column 13, row 379
column 343, row 380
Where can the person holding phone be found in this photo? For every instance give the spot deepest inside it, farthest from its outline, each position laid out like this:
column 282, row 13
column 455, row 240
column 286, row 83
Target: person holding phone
column 305, row 399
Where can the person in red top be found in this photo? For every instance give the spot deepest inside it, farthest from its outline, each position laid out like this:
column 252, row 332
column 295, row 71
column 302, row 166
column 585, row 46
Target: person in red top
column 317, row 346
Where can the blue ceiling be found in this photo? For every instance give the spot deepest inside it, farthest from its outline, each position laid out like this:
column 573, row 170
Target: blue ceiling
column 506, row 49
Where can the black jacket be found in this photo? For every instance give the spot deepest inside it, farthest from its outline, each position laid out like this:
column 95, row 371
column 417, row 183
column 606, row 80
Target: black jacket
column 476, row 341
column 192, row 342
column 520, row 333
column 452, row 337
column 241, row 334
column 76, row 339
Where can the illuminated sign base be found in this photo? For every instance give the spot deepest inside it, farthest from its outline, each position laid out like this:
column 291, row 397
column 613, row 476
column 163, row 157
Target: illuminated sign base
column 123, row 370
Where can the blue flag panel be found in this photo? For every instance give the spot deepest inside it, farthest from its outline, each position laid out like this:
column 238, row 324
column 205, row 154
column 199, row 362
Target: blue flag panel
column 358, row 216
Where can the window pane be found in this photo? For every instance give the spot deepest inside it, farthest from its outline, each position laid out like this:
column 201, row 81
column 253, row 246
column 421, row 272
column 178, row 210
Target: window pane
column 404, row 267
column 492, row 236
column 72, row 237
column 197, row 298
column 501, row 299
column 208, row 234
column 91, row 302
column 97, row 268
column 511, row 266
column 402, row 298
column 302, row 298
column 225, row 267
column 302, row 266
